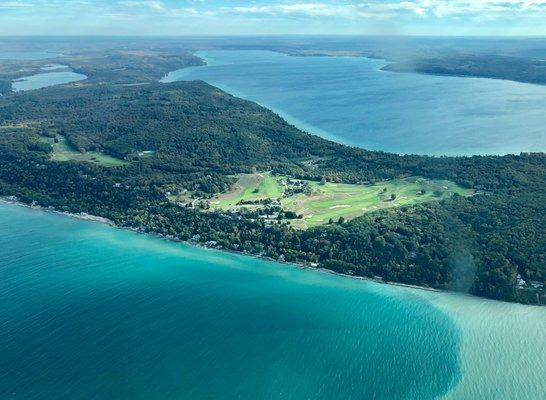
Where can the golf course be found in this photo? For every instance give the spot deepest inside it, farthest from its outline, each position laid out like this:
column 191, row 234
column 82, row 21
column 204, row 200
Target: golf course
column 322, row 202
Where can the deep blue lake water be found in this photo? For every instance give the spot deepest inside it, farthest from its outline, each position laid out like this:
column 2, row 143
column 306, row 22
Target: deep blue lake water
column 348, row 99
column 93, row 312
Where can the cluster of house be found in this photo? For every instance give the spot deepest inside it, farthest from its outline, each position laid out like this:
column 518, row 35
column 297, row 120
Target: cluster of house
column 522, row 283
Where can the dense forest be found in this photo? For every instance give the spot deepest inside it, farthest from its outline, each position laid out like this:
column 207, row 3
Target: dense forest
column 196, row 137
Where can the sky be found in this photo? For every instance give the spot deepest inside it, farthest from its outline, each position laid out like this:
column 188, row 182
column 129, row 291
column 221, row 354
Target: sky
column 187, row 17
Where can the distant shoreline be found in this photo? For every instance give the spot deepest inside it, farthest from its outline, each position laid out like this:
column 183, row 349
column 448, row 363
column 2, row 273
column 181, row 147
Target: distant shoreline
column 448, row 67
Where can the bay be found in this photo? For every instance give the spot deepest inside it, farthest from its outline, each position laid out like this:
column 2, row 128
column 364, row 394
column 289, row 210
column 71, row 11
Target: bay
column 350, row 100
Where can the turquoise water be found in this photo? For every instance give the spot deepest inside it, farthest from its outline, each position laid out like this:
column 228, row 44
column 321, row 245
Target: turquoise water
column 88, row 311
column 93, row 312
column 348, row 99
column 46, row 79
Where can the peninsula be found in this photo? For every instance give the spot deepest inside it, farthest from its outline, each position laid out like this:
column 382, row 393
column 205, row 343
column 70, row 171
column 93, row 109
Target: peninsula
column 190, row 162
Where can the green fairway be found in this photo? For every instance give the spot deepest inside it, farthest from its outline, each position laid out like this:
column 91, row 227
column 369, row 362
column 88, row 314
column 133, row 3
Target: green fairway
column 334, row 200
column 270, row 187
column 62, row 151
column 320, row 203
column 250, row 187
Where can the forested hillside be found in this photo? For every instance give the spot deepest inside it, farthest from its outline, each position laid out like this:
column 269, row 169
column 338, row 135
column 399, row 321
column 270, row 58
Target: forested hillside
column 498, row 67
column 192, row 136
column 128, row 66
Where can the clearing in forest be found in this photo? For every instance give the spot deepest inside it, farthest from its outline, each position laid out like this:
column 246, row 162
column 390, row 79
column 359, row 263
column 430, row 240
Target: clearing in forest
column 63, row 151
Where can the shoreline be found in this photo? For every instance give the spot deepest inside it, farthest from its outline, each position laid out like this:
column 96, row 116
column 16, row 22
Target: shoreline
column 105, row 221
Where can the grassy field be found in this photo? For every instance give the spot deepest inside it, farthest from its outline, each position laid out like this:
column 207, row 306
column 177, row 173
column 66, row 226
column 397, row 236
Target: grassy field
column 62, row 151
column 250, row 187
column 323, row 202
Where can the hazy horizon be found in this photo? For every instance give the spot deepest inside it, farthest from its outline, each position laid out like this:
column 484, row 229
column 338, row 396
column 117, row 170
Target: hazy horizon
column 273, row 35
column 508, row 18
